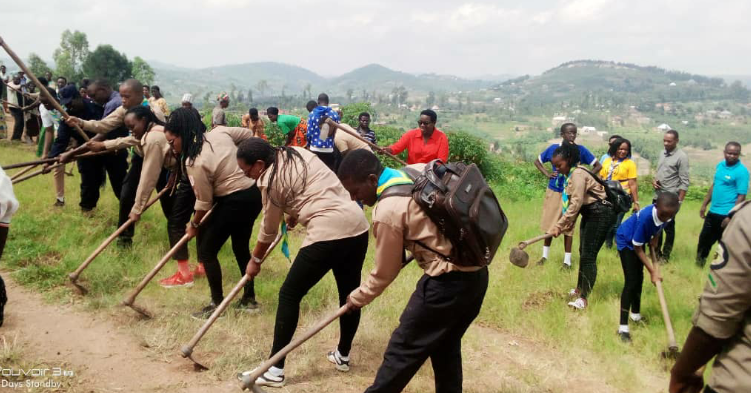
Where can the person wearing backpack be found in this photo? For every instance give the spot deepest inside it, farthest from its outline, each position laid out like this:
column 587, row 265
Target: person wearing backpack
column 447, row 298
column 583, row 193
column 621, row 168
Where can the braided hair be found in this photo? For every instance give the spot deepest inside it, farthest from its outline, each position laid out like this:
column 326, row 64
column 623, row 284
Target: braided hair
column 186, row 123
column 569, row 152
column 256, row 149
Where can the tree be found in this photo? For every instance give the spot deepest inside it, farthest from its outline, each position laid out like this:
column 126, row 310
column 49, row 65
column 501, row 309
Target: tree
column 262, row 86
column 250, row 96
column 365, row 95
column 430, row 100
column 38, row 66
column 350, row 93
column 72, row 53
column 105, row 62
column 307, row 90
column 142, row 71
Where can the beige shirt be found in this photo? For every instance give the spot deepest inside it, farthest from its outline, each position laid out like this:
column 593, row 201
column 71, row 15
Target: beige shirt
column 725, row 305
column 580, row 188
column 114, row 120
column 321, row 204
column 215, row 172
column 345, row 141
column 400, row 223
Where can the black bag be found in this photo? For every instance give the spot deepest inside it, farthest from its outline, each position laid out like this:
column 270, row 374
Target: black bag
column 458, row 200
column 618, row 198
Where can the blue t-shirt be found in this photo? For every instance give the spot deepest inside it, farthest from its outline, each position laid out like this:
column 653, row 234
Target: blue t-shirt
column 604, row 157
column 729, row 182
column 585, row 157
column 314, row 130
column 638, row 229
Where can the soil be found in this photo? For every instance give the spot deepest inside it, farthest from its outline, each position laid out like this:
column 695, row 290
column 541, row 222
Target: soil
column 106, row 357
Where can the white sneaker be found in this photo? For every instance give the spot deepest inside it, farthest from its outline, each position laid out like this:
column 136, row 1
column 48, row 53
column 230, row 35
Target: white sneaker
column 267, row 379
column 341, row 364
column 579, row 304
column 574, row 293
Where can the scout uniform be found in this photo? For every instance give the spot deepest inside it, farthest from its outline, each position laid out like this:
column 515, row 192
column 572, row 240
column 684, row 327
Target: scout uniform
column 725, row 306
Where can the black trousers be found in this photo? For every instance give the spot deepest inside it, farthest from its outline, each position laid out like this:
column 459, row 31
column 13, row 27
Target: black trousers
column 664, row 250
column 342, row 256
column 18, row 123
column 182, row 209
column 710, row 234
column 329, row 159
column 94, row 172
column 128, row 195
column 232, row 217
column 596, row 220
column 432, row 325
column 633, row 273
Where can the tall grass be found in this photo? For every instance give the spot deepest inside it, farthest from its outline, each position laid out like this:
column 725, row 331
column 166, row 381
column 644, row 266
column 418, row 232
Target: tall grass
column 46, row 243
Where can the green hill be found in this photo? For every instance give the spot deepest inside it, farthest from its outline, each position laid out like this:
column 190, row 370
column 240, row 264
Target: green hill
column 375, row 77
column 621, row 82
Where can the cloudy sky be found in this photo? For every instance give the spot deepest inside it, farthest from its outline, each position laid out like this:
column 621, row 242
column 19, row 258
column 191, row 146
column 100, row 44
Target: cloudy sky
column 465, row 38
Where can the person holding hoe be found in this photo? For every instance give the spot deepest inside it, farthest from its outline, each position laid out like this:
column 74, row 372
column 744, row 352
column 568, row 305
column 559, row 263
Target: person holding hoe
column 582, row 194
column 295, row 182
column 632, row 235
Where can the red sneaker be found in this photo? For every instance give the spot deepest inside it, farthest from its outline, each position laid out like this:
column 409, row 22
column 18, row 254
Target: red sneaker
column 177, row 280
column 200, row 271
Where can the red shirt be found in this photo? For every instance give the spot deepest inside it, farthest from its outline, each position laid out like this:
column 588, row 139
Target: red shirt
column 420, row 152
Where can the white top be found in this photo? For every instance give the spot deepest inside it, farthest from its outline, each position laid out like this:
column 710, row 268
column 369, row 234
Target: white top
column 48, row 117
column 8, row 201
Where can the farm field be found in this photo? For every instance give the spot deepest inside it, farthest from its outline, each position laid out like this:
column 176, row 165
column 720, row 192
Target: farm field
column 525, row 339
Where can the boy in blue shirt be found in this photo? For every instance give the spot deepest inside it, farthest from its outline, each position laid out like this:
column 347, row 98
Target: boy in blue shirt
column 729, row 188
column 320, row 140
column 631, row 237
column 552, row 208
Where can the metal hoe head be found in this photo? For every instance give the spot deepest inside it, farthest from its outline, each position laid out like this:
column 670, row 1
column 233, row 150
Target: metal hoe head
column 672, row 353
column 79, row 288
column 139, row 310
column 519, row 257
column 187, row 352
column 251, row 385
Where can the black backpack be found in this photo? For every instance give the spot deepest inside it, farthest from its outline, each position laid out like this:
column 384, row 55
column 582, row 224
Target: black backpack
column 618, row 198
column 458, row 200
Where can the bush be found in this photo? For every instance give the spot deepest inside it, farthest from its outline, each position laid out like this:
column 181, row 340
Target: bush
column 350, row 113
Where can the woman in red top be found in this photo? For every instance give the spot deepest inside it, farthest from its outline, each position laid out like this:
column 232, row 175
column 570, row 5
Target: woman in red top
column 423, row 144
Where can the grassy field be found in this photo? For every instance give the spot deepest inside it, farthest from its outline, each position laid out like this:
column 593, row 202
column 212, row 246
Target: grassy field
column 46, row 243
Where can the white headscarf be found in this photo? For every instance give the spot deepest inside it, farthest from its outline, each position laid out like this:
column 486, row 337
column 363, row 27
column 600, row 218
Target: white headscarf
column 187, row 97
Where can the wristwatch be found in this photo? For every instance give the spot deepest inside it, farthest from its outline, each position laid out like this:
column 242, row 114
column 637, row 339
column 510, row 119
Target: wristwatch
column 255, row 259
column 193, row 224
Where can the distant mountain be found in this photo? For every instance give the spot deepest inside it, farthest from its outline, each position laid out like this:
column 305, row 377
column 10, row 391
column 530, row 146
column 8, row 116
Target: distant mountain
column 622, row 82
column 294, row 80
column 745, row 79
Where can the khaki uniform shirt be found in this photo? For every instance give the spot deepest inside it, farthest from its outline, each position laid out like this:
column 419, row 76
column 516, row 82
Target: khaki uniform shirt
column 580, row 190
column 321, row 204
column 215, row 172
column 398, row 224
column 114, row 120
column 156, row 153
column 725, row 306
column 345, row 141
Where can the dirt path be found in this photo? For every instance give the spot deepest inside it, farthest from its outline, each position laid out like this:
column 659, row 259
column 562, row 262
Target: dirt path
column 106, row 357
column 103, row 357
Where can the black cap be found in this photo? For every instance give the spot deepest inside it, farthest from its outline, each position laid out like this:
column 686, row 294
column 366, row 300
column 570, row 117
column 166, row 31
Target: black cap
column 67, row 94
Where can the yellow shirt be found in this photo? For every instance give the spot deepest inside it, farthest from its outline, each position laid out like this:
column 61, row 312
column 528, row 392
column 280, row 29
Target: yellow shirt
column 621, row 171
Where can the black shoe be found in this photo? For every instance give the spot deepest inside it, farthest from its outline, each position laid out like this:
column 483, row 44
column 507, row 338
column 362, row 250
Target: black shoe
column 625, row 337
column 205, row 312
column 3, row 300
column 700, row 262
column 248, row 305
column 565, row 267
column 542, row 261
column 59, row 203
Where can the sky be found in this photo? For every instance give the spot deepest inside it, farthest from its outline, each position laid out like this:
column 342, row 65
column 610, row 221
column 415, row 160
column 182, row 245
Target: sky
column 463, row 38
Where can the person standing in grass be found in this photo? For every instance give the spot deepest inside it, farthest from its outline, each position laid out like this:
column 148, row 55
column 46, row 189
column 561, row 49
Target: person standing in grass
column 632, row 236
column 253, row 122
column 158, row 100
column 620, row 167
column 294, row 127
column 551, row 206
column 295, row 182
column 582, row 194
column 448, row 297
column 425, row 143
column 218, row 117
column 728, row 189
column 8, row 207
column 319, row 141
column 219, row 185
column 672, row 176
column 722, row 322
column 50, row 123
column 363, row 128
